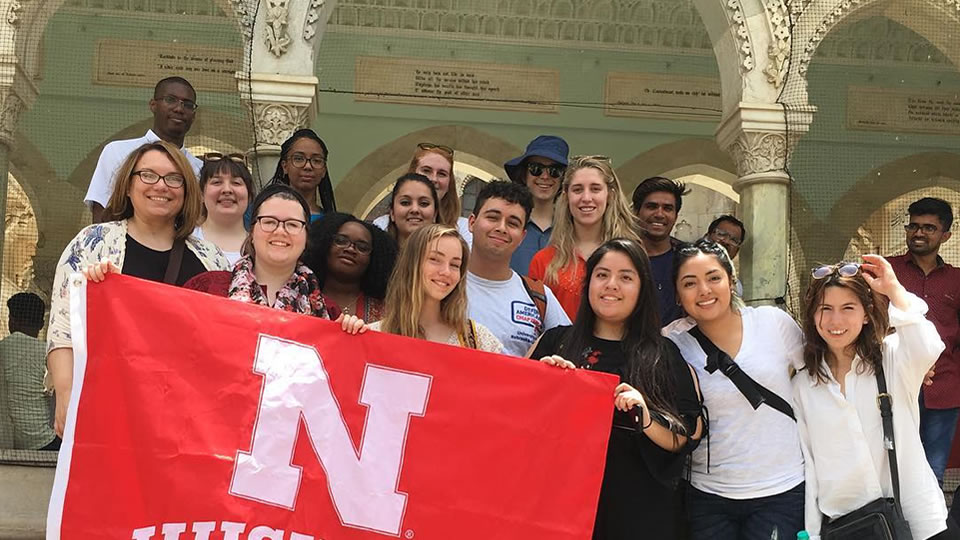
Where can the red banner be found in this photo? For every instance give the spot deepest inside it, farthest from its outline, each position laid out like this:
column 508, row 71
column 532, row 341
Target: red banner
column 200, row 418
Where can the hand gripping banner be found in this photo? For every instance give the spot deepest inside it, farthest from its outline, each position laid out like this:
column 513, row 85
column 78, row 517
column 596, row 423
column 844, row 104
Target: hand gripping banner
column 200, row 418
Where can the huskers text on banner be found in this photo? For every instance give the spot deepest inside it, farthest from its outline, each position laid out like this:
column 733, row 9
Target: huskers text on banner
column 201, row 418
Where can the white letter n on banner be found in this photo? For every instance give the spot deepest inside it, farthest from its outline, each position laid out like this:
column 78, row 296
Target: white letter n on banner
column 362, row 485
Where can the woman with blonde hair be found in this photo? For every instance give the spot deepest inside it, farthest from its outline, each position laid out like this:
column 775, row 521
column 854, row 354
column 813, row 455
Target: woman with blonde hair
column 591, row 209
column 427, row 293
column 435, row 161
column 147, row 233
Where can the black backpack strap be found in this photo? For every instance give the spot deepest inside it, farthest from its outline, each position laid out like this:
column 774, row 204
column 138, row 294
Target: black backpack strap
column 756, row 393
column 886, row 415
column 537, row 293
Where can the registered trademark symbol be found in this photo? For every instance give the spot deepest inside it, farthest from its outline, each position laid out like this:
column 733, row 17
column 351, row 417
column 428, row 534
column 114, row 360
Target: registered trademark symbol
column 409, row 534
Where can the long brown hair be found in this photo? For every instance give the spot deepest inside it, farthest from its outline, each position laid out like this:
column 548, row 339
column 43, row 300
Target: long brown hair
column 119, row 206
column 869, row 344
column 449, row 210
column 405, row 293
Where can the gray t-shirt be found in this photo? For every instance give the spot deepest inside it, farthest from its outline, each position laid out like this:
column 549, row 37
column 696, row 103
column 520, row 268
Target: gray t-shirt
column 506, row 309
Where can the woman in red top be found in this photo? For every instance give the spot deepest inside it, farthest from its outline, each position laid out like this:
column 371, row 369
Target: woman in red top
column 591, row 209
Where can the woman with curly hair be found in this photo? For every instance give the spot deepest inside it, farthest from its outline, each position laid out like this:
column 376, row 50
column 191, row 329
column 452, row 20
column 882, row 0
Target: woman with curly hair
column 352, row 260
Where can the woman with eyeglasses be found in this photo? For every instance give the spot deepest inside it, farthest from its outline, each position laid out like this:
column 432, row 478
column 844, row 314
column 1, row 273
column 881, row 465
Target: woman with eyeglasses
column 591, row 209
column 747, row 481
column 414, row 203
column 271, row 272
column 150, row 216
column 227, row 187
column 352, row 260
column 303, row 166
column 435, row 162
column 862, row 325
column 657, row 419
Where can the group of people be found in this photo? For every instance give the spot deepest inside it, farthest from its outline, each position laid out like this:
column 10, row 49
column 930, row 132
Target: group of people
column 731, row 421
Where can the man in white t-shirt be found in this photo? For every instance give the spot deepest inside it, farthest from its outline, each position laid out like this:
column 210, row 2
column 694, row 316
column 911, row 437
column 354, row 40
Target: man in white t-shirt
column 174, row 106
column 516, row 309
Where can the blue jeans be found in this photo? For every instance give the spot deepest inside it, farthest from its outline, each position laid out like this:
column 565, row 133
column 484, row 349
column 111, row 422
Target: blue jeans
column 777, row 517
column 937, row 427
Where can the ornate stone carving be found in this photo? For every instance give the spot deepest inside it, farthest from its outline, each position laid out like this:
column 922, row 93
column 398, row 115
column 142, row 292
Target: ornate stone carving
column 276, row 29
column 878, row 39
column 744, row 46
column 779, row 50
column 757, row 152
column 276, row 122
column 13, row 15
column 245, row 16
column 313, row 16
column 11, row 105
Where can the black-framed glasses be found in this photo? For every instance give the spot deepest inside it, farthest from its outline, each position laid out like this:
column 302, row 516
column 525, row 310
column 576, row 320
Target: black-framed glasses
column 431, row 146
column 268, row 224
column 725, row 236
column 300, row 161
column 927, row 228
column 844, row 269
column 172, row 101
column 217, row 156
column 172, row 180
column 343, row 241
column 536, row 169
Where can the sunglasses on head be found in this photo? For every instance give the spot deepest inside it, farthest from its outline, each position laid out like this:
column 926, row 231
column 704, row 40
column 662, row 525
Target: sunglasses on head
column 844, row 269
column 536, row 169
column 431, row 146
column 217, row 156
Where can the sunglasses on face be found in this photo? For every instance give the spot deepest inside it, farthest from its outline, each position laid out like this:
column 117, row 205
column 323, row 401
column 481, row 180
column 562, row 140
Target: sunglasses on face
column 217, row 156
column 431, row 146
column 536, row 169
column 927, row 228
column 844, row 269
column 343, row 241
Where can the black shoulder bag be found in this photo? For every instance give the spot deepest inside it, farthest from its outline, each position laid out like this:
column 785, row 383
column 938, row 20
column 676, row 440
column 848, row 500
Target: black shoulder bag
column 881, row 519
column 756, row 393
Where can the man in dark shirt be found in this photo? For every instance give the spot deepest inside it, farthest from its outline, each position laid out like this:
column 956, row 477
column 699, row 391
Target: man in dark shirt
column 923, row 272
column 656, row 202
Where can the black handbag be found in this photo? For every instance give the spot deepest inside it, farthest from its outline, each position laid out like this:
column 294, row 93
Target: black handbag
column 881, row 519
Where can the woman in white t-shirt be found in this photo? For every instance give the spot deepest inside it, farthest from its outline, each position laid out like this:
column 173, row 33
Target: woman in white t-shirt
column 747, row 481
column 435, row 161
column 848, row 314
column 227, row 188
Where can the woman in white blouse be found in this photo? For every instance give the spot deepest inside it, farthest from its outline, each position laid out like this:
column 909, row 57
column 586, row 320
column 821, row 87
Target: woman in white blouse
column 746, row 482
column 848, row 314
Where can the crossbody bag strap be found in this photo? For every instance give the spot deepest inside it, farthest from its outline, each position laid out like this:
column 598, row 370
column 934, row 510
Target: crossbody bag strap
column 176, row 259
column 756, row 393
column 886, row 415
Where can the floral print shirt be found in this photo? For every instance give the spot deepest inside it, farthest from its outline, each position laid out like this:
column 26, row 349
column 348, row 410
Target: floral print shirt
column 97, row 243
column 301, row 294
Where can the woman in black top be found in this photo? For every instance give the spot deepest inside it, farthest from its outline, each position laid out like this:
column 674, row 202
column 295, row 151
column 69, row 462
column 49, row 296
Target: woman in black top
column 657, row 422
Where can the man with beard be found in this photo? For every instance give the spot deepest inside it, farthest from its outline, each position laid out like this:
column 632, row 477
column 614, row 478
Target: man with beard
column 923, row 272
column 174, row 106
column 656, row 203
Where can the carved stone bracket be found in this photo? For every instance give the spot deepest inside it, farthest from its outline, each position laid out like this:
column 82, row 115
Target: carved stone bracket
column 756, row 136
column 17, row 93
column 742, row 35
column 245, row 16
column 779, row 50
column 276, row 35
column 313, row 17
column 13, row 14
column 279, row 104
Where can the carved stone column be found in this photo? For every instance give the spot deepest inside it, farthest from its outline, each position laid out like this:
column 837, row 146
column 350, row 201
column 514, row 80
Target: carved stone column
column 756, row 136
column 16, row 95
column 279, row 105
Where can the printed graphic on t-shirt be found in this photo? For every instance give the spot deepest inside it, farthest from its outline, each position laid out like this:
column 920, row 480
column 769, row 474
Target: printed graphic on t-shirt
column 526, row 314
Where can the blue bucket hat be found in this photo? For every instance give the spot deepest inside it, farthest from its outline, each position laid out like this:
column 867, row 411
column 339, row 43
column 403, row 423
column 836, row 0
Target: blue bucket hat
column 548, row 146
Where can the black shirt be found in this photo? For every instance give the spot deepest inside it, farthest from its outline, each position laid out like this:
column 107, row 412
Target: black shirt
column 638, row 497
column 145, row 263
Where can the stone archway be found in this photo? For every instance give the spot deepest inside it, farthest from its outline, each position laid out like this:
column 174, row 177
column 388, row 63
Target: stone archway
column 366, row 182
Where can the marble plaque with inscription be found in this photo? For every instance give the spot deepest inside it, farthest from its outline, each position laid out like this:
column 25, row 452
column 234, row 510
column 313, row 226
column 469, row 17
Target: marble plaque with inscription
column 441, row 83
column 912, row 111
column 654, row 95
column 142, row 63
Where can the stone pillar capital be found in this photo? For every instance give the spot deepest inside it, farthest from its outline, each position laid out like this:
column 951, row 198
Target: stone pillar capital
column 17, row 94
column 279, row 104
column 760, row 136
